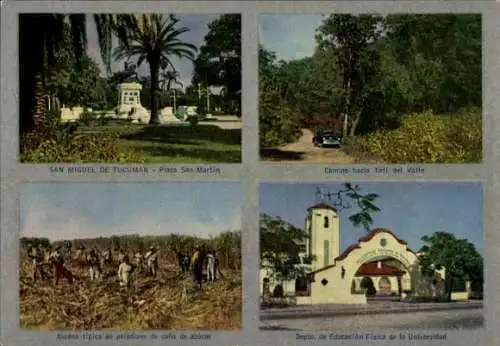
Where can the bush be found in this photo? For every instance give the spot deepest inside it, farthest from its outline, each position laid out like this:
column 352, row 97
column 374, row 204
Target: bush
column 103, row 121
column 282, row 302
column 279, row 123
column 87, row 118
column 83, row 148
column 193, row 120
column 278, row 292
column 426, row 138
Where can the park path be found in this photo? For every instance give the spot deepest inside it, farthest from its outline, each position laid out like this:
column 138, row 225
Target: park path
column 303, row 151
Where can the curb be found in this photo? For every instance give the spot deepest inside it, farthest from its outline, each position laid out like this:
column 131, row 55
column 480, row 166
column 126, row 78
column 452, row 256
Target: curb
column 297, row 315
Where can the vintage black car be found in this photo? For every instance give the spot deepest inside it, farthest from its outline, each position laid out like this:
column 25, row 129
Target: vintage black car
column 327, row 138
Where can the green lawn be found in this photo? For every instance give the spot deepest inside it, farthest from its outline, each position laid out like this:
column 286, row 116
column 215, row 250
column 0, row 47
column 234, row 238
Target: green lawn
column 176, row 143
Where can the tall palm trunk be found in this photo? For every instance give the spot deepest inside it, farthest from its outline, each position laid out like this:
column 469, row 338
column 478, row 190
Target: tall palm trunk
column 39, row 114
column 154, row 68
column 31, row 59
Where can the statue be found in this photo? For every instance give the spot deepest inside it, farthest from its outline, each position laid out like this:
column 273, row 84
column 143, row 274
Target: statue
column 167, row 77
column 129, row 74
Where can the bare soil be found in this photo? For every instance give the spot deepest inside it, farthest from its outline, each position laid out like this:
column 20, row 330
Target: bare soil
column 304, row 151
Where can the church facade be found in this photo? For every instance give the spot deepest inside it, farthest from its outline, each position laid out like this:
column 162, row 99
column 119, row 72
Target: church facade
column 379, row 264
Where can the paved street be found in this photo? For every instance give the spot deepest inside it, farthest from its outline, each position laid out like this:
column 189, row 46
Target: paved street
column 447, row 319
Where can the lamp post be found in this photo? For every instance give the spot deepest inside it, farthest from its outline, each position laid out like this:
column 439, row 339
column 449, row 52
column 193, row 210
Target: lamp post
column 175, row 98
column 208, row 99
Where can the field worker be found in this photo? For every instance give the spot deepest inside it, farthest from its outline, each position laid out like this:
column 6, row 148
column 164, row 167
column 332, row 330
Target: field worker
column 197, row 267
column 151, row 258
column 124, row 271
column 139, row 261
column 80, row 256
column 79, row 252
column 121, row 255
column 36, row 257
column 210, row 267
column 216, row 265
column 94, row 264
column 183, row 261
column 58, row 269
column 107, row 256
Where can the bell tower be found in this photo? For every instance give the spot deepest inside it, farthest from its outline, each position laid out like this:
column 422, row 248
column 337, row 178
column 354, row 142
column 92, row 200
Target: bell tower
column 323, row 226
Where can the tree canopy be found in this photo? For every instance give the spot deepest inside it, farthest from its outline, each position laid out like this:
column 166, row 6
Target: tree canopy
column 369, row 72
column 459, row 257
column 219, row 61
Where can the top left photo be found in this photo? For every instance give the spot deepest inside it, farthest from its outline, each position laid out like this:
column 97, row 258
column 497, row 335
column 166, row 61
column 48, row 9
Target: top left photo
column 130, row 88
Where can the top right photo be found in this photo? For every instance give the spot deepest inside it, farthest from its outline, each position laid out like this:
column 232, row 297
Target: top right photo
column 370, row 89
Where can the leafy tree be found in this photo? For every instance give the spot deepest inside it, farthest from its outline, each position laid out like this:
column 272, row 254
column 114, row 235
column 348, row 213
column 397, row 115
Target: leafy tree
column 351, row 38
column 40, row 37
column 153, row 38
column 280, row 248
column 459, row 257
column 369, row 73
column 219, row 61
column 280, row 242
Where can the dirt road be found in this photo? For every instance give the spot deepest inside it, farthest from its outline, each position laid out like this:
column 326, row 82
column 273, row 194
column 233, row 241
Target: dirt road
column 303, row 151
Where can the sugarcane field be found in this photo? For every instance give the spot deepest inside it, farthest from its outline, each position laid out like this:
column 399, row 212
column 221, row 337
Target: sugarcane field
column 131, row 283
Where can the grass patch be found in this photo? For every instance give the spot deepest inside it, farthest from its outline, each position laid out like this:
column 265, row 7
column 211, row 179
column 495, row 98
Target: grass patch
column 138, row 143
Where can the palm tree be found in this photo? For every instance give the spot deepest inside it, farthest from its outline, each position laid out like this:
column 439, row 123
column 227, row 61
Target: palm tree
column 154, row 38
column 167, row 77
column 40, row 36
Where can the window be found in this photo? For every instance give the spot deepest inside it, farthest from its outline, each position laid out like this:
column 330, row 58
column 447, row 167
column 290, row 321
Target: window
column 326, row 222
column 326, row 252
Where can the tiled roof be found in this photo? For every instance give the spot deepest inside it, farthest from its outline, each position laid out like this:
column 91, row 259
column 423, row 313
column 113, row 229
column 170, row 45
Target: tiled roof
column 372, row 268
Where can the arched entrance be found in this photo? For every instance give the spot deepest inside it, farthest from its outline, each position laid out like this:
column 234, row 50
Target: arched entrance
column 379, row 248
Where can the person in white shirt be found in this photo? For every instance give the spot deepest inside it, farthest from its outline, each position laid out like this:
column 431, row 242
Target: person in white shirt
column 124, row 271
column 210, row 267
column 94, row 263
column 152, row 260
column 139, row 261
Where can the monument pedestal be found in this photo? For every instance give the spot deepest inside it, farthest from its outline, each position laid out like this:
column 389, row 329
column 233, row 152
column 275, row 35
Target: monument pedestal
column 129, row 103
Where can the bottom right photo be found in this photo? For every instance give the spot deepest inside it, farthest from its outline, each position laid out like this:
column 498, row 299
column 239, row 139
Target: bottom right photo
column 358, row 256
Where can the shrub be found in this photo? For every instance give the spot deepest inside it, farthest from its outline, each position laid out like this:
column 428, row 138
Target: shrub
column 426, row 138
column 87, row 118
column 278, row 122
column 193, row 120
column 281, row 302
column 278, row 292
column 82, row 148
column 103, row 120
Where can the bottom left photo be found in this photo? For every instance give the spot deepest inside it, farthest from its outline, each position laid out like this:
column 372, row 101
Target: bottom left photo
column 130, row 256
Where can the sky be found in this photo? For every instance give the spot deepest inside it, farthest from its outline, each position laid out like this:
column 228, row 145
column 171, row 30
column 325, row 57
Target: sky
column 290, row 36
column 62, row 211
column 198, row 28
column 409, row 209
